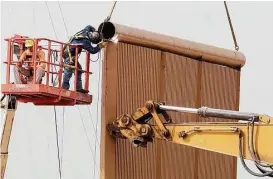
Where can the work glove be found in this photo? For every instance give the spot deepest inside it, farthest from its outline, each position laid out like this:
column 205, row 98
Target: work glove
column 102, row 44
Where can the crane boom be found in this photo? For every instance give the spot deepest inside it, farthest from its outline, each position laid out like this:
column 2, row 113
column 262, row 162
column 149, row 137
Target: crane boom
column 231, row 138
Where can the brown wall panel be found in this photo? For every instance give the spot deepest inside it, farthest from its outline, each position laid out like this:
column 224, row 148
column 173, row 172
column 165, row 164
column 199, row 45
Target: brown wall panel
column 181, row 87
column 138, row 81
column 219, row 88
column 109, row 98
column 132, row 75
column 182, row 47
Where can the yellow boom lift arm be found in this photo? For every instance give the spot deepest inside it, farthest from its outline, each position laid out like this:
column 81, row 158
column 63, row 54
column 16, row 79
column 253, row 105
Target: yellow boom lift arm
column 10, row 106
column 230, row 138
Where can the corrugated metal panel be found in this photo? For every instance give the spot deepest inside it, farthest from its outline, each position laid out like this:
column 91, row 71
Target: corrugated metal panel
column 144, row 74
column 182, row 47
column 219, row 87
column 109, row 112
column 181, row 87
column 138, row 70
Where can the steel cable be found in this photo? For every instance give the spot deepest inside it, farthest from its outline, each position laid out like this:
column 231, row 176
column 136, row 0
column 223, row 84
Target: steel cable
column 51, row 20
column 231, row 27
column 87, row 137
column 57, row 141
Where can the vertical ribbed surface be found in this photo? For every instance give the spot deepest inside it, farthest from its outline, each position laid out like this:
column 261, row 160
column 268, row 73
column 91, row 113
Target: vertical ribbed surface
column 219, row 88
column 138, row 70
column 181, row 73
column 145, row 74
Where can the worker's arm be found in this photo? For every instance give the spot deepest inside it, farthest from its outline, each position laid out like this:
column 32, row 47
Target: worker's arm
column 41, row 55
column 89, row 28
column 22, row 59
column 87, row 46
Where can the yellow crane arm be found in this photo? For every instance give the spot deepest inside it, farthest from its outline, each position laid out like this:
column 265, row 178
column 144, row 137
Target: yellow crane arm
column 248, row 138
column 223, row 138
column 10, row 106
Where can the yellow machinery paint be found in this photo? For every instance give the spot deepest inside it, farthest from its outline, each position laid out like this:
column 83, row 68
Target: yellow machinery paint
column 249, row 138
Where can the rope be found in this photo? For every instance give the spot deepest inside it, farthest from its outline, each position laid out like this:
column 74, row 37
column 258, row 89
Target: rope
column 62, row 140
column 63, row 20
column 87, row 138
column 111, row 12
column 56, row 126
column 63, row 106
column 95, row 129
column 55, row 57
column 77, row 106
column 57, row 141
column 97, row 141
column 97, row 58
column 231, row 27
column 96, row 136
column 109, row 16
column 98, row 98
column 51, row 20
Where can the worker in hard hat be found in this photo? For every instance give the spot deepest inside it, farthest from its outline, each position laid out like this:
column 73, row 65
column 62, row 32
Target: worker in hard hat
column 84, row 38
column 21, row 74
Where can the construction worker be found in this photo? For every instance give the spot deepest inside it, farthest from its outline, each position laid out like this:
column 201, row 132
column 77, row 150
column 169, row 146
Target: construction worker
column 84, row 38
column 22, row 74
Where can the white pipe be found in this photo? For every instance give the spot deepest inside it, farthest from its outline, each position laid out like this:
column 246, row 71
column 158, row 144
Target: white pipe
column 179, row 109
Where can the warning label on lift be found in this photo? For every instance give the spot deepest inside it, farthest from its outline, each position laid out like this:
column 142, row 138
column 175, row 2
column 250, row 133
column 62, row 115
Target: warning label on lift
column 20, row 87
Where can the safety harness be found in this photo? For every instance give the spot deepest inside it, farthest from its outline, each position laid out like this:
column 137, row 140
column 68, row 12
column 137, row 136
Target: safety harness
column 77, row 36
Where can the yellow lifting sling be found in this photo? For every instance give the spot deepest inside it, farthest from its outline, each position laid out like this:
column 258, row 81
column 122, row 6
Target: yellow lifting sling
column 66, row 51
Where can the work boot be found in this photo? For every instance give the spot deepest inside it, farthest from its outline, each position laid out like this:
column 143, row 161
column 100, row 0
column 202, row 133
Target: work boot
column 83, row 91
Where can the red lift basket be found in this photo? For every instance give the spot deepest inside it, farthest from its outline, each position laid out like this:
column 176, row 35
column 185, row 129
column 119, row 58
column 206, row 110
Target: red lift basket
column 45, row 93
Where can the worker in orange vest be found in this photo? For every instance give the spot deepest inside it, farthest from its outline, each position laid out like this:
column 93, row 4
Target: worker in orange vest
column 21, row 74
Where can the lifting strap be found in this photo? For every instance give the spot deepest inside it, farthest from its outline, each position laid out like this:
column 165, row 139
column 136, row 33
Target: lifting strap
column 77, row 36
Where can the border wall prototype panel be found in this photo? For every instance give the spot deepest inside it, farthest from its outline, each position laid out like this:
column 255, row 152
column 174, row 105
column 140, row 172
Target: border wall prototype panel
column 138, row 80
column 181, row 86
column 219, row 89
column 136, row 70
